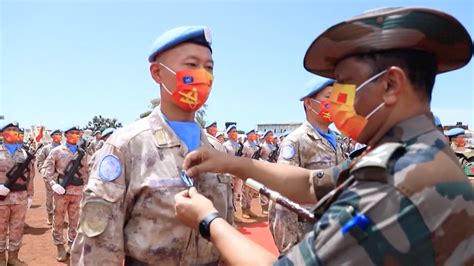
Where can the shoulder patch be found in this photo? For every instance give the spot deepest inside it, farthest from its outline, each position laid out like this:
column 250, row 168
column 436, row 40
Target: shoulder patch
column 288, row 152
column 379, row 157
column 110, row 168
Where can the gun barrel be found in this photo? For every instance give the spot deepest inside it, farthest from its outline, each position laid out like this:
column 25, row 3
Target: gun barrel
column 283, row 201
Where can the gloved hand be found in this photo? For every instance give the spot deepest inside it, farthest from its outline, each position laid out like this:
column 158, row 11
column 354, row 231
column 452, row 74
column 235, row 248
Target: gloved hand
column 58, row 189
column 29, row 201
column 4, row 190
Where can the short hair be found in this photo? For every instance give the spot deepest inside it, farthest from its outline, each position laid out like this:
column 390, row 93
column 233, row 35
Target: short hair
column 421, row 67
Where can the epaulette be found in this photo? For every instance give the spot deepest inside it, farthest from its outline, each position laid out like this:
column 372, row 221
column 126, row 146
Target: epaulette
column 377, row 163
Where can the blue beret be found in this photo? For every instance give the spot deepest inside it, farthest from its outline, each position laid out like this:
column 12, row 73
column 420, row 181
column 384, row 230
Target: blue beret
column 196, row 34
column 229, row 128
column 219, row 134
column 437, row 121
column 22, row 130
column 453, row 132
column 108, row 131
column 72, row 128
column 250, row 132
column 97, row 132
column 316, row 85
column 267, row 132
column 10, row 124
column 55, row 132
column 210, row 124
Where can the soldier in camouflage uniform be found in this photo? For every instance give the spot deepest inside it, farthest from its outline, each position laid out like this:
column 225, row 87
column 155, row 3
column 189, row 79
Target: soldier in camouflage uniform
column 311, row 146
column 56, row 137
column 232, row 147
column 94, row 143
column 66, row 199
column 250, row 148
column 127, row 210
column 13, row 205
column 407, row 201
column 267, row 149
column 211, row 131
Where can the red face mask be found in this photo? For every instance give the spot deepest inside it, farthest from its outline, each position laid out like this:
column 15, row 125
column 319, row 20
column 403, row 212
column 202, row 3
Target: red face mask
column 11, row 136
column 213, row 131
column 324, row 110
column 252, row 137
column 72, row 138
column 461, row 142
column 269, row 138
column 56, row 138
column 192, row 88
column 233, row 136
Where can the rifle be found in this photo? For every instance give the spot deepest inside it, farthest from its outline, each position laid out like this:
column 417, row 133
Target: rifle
column 19, row 169
column 273, row 156
column 240, row 151
column 283, row 201
column 72, row 168
column 256, row 155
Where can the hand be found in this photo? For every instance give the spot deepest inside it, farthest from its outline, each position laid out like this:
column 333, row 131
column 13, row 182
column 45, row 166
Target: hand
column 4, row 190
column 191, row 207
column 29, row 201
column 206, row 160
column 58, row 189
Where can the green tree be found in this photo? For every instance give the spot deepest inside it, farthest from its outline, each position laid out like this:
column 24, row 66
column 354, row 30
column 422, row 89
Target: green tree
column 101, row 123
column 200, row 114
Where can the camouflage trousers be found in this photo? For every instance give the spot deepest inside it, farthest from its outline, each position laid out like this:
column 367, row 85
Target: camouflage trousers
column 63, row 204
column 246, row 197
column 237, row 189
column 49, row 198
column 12, row 222
column 285, row 227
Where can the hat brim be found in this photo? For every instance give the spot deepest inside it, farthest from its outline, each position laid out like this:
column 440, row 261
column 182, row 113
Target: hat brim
column 421, row 29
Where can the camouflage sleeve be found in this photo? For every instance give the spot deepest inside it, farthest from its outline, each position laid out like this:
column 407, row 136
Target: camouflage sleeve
column 324, row 180
column 370, row 222
column 31, row 173
column 42, row 154
column 49, row 167
column 100, row 238
column 247, row 151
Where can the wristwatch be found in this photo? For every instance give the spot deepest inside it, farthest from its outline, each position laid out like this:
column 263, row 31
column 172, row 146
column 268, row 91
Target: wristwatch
column 205, row 224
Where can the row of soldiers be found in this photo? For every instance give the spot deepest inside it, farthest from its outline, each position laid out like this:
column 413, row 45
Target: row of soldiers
column 63, row 181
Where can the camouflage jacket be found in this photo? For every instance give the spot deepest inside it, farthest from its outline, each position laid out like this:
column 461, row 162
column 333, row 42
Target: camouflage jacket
column 56, row 163
column 304, row 147
column 128, row 203
column 7, row 162
column 231, row 146
column 215, row 143
column 407, row 202
column 249, row 149
column 267, row 148
column 43, row 154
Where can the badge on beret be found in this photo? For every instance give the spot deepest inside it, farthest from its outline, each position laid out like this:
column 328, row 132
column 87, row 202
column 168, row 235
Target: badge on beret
column 110, row 168
column 207, row 35
column 288, row 152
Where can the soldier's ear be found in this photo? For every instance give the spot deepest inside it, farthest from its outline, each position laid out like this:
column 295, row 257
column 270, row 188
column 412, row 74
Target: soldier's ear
column 395, row 83
column 155, row 72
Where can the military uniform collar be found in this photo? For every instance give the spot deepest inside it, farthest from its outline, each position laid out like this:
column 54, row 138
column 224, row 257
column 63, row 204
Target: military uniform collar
column 409, row 129
column 311, row 131
column 163, row 133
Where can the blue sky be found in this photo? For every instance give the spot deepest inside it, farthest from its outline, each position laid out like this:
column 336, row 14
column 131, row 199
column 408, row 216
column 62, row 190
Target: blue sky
column 62, row 62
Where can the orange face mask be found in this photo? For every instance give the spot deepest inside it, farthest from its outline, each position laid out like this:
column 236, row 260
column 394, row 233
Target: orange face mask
column 233, row 136
column 72, row 138
column 56, row 138
column 324, row 110
column 252, row 137
column 342, row 109
column 269, row 138
column 192, row 88
column 11, row 136
column 213, row 131
column 461, row 142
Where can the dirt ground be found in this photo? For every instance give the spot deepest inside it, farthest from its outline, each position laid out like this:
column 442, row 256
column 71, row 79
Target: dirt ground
column 38, row 248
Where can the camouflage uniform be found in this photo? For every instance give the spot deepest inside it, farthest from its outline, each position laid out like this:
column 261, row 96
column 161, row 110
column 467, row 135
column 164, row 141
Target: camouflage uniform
column 131, row 213
column 306, row 148
column 246, row 199
column 13, row 207
column 40, row 158
column 385, row 213
column 99, row 145
column 93, row 146
column 232, row 147
column 215, row 143
column 267, row 148
column 55, row 165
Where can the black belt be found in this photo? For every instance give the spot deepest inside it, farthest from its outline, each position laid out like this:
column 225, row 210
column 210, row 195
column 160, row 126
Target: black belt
column 129, row 261
column 74, row 181
column 18, row 187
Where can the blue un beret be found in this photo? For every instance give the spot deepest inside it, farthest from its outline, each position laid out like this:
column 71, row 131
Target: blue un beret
column 108, row 131
column 10, row 124
column 196, row 34
column 453, row 132
column 229, row 128
column 72, row 128
column 210, row 124
column 316, row 85
column 250, row 131
column 55, row 132
column 437, row 121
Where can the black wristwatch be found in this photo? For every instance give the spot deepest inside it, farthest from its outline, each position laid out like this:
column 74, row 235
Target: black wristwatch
column 205, row 224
